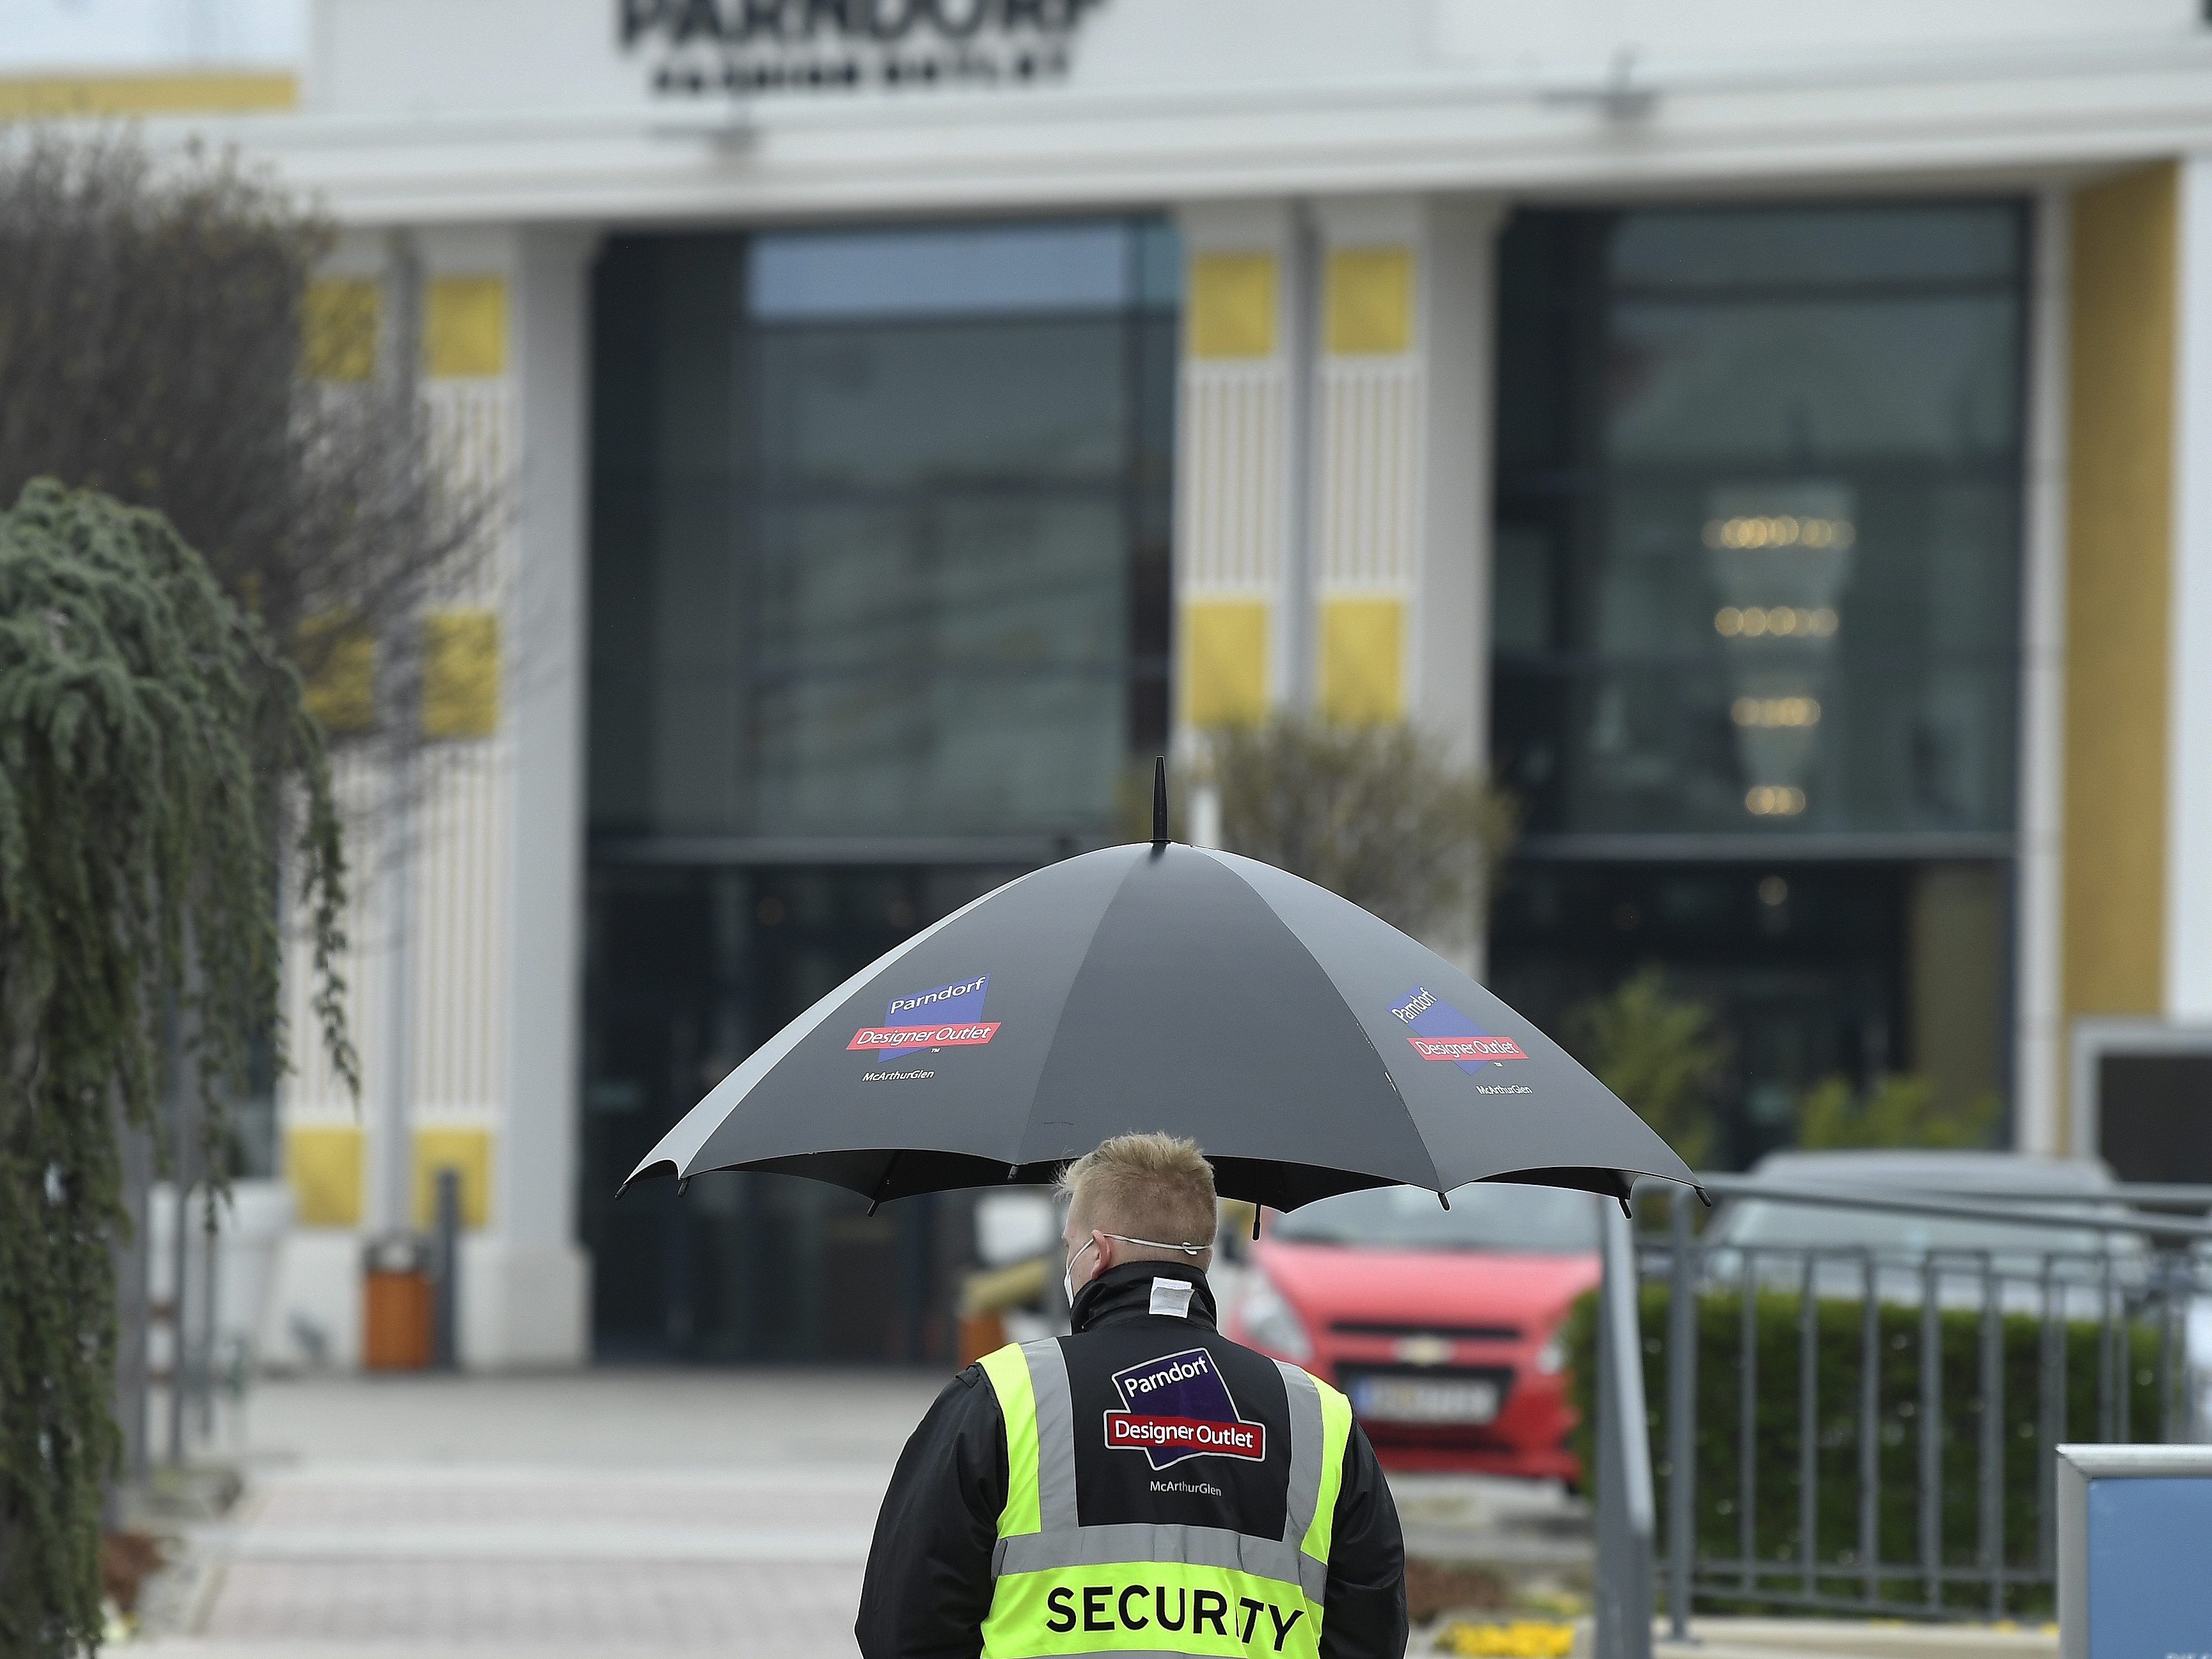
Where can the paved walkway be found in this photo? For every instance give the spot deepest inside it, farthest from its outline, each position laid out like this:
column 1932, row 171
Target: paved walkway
column 617, row 1513
column 592, row 1516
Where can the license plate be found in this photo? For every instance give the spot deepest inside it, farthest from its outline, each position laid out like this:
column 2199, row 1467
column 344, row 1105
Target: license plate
column 1407, row 1400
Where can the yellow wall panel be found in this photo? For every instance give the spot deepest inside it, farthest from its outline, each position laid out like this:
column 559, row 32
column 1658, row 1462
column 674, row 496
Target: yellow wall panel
column 465, row 326
column 338, row 318
column 1231, row 305
column 2119, row 576
column 460, row 674
column 464, row 1148
column 50, row 97
column 1224, row 669
column 341, row 664
column 1362, row 660
column 1955, row 978
column 1371, row 301
column 322, row 1164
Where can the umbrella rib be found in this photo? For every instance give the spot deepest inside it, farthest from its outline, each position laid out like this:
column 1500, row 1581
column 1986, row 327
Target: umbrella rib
column 1059, row 1014
column 884, row 1185
column 1435, row 1175
column 771, row 1053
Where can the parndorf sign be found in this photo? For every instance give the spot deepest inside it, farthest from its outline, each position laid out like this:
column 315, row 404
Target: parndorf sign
column 701, row 47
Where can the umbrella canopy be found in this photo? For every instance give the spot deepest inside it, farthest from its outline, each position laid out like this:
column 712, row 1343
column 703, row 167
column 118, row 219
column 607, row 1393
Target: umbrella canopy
column 1309, row 1047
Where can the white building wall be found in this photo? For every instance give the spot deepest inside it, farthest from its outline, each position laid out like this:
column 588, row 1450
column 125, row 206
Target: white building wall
column 1459, row 301
column 1238, row 481
column 2189, row 730
column 2039, row 1018
column 1305, row 475
column 465, row 916
column 533, row 1304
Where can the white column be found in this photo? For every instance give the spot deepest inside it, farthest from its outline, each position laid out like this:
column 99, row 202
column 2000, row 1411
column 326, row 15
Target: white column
column 1401, row 609
column 2039, row 1033
column 1243, row 520
column 1451, row 612
column 526, row 1292
column 1403, row 463
column 1459, row 306
column 2189, row 725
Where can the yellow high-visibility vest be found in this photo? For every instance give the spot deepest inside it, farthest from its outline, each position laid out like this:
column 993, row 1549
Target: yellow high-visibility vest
column 1062, row 1588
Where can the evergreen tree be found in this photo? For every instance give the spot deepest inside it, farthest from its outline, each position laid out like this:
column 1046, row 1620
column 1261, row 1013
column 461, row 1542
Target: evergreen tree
column 152, row 743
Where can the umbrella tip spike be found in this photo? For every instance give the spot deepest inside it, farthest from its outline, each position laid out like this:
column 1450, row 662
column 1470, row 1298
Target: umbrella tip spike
column 1159, row 800
column 1704, row 1197
column 1443, row 1198
column 683, row 1185
column 1255, row 1221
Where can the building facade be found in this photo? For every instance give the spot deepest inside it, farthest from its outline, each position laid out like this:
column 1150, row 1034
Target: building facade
column 1776, row 442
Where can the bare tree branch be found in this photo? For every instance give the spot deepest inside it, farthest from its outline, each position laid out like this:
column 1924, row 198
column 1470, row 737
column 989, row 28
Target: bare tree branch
column 152, row 341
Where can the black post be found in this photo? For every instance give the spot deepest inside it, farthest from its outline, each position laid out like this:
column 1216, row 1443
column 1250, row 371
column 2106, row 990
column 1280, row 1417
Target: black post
column 1626, row 1523
column 204, row 1377
column 1159, row 800
column 181, row 1233
column 445, row 1286
column 133, row 1249
column 1681, row 1417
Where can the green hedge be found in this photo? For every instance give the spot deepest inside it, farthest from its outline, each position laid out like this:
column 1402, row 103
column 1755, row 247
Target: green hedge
column 1779, row 1444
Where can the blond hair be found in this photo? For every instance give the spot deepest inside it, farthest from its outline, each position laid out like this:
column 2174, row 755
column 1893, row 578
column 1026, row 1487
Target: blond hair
column 1144, row 1186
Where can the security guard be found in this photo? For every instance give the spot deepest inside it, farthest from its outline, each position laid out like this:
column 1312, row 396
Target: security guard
column 1141, row 1485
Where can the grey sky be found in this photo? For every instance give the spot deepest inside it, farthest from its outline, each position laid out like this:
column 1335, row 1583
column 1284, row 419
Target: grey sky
column 58, row 36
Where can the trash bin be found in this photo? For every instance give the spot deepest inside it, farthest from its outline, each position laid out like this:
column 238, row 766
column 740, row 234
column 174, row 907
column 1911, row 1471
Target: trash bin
column 395, row 1304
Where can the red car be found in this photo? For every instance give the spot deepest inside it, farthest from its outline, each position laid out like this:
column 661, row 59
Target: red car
column 1442, row 1326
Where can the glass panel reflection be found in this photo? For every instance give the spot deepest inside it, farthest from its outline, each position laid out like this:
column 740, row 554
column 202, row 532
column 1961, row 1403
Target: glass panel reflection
column 879, row 550
column 1758, row 548
column 1728, row 381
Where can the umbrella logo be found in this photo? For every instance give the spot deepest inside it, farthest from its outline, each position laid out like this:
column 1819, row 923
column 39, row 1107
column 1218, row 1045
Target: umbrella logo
column 1440, row 1031
column 1178, row 1407
column 943, row 1016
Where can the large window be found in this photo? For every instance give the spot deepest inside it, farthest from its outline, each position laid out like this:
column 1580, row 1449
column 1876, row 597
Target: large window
column 1757, row 622
column 879, row 617
column 881, row 529
column 1758, row 545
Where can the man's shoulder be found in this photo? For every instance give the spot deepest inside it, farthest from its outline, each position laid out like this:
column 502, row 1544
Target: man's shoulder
column 966, row 1408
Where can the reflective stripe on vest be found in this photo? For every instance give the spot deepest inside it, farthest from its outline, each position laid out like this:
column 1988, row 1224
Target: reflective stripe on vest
column 1063, row 1589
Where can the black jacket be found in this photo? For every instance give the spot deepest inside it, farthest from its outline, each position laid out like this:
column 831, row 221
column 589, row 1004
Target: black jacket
column 929, row 1579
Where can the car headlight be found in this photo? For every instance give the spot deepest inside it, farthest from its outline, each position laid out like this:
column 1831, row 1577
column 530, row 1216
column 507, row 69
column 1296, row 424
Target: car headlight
column 1551, row 1357
column 1270, row 1321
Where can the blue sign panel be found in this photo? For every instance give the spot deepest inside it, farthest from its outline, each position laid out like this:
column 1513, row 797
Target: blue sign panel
column 2150, row 1568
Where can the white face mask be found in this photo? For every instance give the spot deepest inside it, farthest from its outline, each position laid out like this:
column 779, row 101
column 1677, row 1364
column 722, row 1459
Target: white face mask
column 1067, row 1274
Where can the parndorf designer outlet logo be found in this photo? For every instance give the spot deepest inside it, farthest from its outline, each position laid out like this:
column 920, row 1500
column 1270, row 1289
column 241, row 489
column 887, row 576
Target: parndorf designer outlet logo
column 943, row 1016
column 1440, row 1031
column 1177, row 1406
column 701, row 47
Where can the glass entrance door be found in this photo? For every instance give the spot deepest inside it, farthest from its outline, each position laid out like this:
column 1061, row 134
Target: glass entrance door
column 879, row 614
column 688, row 970
column 1756, row 623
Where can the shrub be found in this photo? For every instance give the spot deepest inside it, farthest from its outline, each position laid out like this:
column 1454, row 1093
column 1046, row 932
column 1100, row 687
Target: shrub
column 1777, row 1442
column 1658, row 1053
column 1379, row 815
column 1900, row 1110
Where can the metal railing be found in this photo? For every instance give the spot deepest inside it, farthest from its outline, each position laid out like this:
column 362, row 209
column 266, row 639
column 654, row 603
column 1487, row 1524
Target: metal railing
column 1625, row 1520
column 1868, row 1428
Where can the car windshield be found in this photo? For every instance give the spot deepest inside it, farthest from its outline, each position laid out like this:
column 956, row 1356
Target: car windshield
column 1763, row 1223
column 1485, row 1216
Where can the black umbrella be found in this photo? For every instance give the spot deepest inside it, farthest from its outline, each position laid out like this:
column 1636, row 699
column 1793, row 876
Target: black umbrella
column 1309, row 1048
